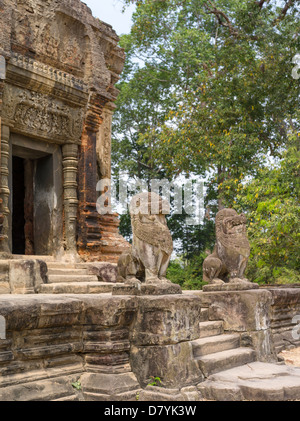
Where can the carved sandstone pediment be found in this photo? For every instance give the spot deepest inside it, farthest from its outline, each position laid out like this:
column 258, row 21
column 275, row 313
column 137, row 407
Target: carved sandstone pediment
column 42, row 116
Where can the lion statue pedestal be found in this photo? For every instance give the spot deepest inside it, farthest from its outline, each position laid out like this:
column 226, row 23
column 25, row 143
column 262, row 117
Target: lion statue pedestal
column 224, row 269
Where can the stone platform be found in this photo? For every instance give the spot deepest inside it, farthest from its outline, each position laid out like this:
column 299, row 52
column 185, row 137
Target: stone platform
column 98, row 341
column 256, row 381
column 202, row 345
column 46, row 275
column 230, row 287
column 146, row 289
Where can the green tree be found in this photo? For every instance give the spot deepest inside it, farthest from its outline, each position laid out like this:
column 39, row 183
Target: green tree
column 208, row 90
column 218, row 74
column 272, row 205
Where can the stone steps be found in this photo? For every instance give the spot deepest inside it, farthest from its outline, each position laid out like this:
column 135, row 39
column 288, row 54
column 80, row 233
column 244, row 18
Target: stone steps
column 66, row 271
column 216, row 351
column 204, row 315
column 224, row 360
column 61, row 265
column 255, row 381
column 214, row 344
column 69, row 278
column 79, row 278
column 77, row 288
column 33, row 257
column 211, row 329
column 74, row 278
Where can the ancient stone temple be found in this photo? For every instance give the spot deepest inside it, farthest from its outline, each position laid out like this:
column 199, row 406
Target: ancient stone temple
column 58, row 68
column 72, row 326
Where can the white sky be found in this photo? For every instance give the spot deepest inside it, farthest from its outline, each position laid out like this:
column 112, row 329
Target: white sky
column 110, row 11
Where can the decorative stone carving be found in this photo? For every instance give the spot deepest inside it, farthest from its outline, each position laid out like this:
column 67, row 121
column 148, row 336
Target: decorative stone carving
column 103, row 145
column 227, row 263
column 42, row 69
column 4, row 188
column 152, row 246
column 59, row 37
column 70, row 166
column 37, row 113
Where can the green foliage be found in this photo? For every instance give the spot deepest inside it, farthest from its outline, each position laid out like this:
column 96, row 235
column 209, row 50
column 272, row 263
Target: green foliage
column 212, row 92
column 207, row 90
column 77, row 385
column 155, row 381
column 271, row 202
column 188, row 274
column 125, row 226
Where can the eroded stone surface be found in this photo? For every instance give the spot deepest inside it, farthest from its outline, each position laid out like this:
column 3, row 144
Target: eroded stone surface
column 52, row 340
column 110, row 344
column 166, row 320
column 161, row 340
column 146, row 264
column 291, row 357
column 234, row 286
column 248, row 312
column 285, row 311
column 256, row 381
column 230, row 256
column 143, row 289
column 174, row 364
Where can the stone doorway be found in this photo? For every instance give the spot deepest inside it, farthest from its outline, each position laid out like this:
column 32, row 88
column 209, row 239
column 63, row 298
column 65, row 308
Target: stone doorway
column 36, row 198
column 33, row 202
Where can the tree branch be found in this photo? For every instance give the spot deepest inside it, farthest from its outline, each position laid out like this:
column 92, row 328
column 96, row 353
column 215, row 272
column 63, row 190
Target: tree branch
column 220, row 14
column 284, row 11
column 261, row 3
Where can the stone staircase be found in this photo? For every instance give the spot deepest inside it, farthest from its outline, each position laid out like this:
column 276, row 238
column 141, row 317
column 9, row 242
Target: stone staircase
column 69, row 278
column 217, row 351
column 73, row 278
column 232, row 373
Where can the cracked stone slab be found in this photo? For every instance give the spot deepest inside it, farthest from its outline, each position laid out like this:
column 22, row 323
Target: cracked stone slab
column 256, row 381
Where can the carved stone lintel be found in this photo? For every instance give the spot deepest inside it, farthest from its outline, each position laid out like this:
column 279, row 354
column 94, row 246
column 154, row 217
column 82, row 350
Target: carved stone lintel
column 42, row 116
column 44, row 70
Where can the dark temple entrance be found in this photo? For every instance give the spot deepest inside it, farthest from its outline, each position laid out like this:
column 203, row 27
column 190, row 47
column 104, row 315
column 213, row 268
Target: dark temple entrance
column 32, row 203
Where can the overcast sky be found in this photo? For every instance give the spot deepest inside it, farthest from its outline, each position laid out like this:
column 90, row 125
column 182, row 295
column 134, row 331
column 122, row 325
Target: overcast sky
column 110, row 11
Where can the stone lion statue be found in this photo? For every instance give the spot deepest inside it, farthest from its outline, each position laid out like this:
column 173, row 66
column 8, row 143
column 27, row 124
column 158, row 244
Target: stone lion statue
column 229, row 259
column 152, row 244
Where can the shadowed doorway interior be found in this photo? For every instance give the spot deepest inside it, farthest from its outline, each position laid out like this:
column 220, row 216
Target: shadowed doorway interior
column 32, row 203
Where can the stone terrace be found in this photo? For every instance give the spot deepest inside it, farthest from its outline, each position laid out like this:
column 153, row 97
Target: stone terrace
column 204, row 346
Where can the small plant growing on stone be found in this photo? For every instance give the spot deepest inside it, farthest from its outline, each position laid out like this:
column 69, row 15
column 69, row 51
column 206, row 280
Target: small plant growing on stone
column 155, row 381
column 77, row 385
